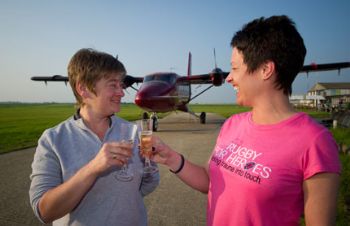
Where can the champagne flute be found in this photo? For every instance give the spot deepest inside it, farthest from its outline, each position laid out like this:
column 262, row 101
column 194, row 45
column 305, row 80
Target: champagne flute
column 146, row 145
column 127, row 135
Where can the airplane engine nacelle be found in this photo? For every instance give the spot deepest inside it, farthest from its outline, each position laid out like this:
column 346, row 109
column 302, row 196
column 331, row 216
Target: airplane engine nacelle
column 128, row 81
column 216, row 77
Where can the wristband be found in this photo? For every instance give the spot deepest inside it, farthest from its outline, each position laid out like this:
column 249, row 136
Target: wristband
column 181, row 165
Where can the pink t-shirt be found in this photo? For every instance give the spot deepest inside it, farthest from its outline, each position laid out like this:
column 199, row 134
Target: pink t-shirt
column 257, row 171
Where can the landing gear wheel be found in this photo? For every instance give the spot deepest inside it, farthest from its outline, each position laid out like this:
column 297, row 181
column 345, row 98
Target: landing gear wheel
column 145, row 115
column 202, row 117
column 154, row 123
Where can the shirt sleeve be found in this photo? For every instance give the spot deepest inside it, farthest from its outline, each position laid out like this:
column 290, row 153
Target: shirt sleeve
column 46, row 172
column 149, row 182
column 322, row 156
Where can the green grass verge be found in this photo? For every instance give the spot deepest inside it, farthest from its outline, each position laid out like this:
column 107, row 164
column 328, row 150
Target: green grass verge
column 21, row 125
column 225, row 110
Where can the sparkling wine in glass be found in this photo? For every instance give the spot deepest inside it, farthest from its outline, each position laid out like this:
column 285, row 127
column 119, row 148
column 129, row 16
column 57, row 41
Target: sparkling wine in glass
column 127, row 135
column 146, row 146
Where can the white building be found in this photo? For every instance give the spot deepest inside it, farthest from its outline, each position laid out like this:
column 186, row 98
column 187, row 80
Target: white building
column 324, row 96
column 311, row 101
column 335, row 94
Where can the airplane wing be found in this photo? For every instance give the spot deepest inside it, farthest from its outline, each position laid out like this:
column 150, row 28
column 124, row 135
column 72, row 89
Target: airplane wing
column 324, row 67
column 128, row 80
column 54, row 78
column 217, row 76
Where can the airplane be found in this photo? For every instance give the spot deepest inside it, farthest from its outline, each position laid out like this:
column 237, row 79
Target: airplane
column 168, row 91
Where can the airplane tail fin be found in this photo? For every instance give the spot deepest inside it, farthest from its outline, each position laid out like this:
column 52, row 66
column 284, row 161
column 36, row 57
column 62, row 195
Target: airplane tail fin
column 189, row 68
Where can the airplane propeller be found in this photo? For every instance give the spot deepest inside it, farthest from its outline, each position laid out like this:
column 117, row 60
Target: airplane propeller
column 217, row 75
column 215, row 59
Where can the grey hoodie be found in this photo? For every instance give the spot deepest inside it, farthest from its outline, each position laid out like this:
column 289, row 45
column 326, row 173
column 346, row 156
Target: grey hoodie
column 63, row 150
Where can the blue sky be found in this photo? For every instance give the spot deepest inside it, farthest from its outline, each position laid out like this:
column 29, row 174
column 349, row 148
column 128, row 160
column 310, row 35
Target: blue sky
column 39, row 37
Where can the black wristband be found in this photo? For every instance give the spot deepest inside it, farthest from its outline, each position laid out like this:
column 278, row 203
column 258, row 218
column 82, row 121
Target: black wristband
column 181, row 165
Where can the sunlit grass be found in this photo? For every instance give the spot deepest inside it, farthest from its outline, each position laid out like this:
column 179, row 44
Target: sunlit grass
column 21, row 125
column 225, row 110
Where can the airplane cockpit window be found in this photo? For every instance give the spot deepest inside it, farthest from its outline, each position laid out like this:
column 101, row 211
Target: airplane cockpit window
column 168, row 78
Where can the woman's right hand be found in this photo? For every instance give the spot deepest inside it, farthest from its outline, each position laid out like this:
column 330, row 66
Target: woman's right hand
column 111, row 154
column 161, row 151
column 163, row 154
column 193, row 175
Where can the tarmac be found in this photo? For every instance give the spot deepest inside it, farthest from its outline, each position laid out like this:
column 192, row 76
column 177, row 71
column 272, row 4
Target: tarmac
column 173, row 203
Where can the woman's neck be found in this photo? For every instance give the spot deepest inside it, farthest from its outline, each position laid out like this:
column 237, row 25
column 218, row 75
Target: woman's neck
column 271, row 111
column 96, row 122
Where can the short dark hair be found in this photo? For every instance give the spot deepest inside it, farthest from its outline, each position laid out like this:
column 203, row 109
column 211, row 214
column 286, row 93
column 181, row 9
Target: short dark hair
column 88, row 66
column 277, row 39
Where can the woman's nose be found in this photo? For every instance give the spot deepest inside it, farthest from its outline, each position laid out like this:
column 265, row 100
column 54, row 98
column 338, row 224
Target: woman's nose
column 229, row 78
column 121, row 92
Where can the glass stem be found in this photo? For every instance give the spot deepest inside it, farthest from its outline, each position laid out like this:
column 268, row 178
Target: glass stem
column 147, row 162
column 125, row 167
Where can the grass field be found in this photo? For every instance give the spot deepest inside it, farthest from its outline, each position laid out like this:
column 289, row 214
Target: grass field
column 22, row 124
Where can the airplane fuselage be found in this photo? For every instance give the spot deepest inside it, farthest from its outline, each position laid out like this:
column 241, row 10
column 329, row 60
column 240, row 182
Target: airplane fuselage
column 163, row 92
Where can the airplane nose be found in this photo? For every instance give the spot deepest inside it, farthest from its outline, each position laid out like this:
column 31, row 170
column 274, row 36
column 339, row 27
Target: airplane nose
column 152, row 94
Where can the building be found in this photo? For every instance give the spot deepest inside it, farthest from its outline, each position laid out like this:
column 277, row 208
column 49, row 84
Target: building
column 324, row 96
column 335, row 94
column 309, row 101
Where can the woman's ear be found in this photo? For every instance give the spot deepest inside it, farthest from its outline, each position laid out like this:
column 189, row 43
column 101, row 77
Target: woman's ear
column 268, row 69
column 82, row 90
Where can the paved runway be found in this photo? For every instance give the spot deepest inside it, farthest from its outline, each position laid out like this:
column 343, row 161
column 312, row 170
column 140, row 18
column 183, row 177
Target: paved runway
column 172, row 204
